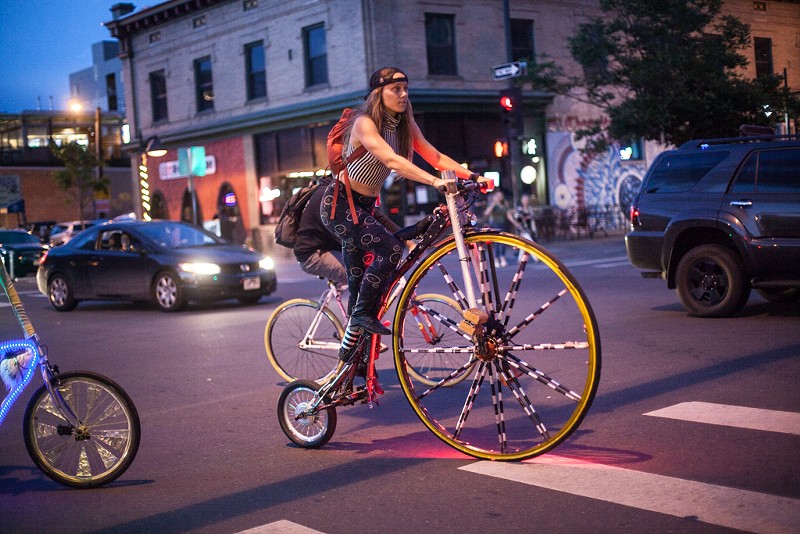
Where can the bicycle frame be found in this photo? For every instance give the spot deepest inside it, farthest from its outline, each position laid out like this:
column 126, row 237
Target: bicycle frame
column 34, row 355
column 332, row 292
column 438, row 225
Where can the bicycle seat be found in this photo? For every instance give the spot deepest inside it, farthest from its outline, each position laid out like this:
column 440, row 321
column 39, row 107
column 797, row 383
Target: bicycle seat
column 415, row 230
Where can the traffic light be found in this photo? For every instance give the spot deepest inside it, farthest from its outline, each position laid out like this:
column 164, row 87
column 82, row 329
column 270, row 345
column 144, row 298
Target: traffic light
column 500, row 148
column 511, row 111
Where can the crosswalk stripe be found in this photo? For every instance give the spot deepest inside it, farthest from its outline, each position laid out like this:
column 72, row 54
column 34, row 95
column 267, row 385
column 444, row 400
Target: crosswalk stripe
column 736, row 416
column 280, row 527
column 708, row 503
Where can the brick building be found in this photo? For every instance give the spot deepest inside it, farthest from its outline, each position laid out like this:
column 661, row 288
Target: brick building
column 259, row 83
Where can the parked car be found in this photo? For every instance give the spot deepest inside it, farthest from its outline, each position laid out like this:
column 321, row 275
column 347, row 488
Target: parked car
column 716, row 218
column 62, row 232
column 166, row 262
column 20, row 252
column 41, row 229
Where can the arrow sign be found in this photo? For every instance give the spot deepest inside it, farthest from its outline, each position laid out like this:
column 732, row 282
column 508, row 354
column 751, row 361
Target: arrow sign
column 508, row 70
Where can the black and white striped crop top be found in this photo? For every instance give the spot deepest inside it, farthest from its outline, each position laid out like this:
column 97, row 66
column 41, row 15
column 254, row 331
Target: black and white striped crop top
column 367, row 169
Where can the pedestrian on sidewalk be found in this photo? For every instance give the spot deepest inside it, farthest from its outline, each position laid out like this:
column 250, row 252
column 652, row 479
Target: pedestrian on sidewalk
column 523, row 220
column 496, row 216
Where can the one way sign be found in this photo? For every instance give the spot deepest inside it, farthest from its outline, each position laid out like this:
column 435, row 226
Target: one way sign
column 509, row 70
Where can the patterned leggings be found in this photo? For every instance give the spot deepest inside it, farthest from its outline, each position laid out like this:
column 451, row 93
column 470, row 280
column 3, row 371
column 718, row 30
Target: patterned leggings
column 370, row 251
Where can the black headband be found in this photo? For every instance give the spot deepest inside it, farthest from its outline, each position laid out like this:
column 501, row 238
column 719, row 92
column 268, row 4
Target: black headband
column 383, row 81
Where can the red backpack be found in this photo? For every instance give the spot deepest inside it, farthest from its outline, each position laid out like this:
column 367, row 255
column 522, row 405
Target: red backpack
column 338, row 163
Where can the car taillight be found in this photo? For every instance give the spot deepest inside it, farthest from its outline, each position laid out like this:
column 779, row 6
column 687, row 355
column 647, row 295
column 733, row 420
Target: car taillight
column 634, row 215
column 43, row 256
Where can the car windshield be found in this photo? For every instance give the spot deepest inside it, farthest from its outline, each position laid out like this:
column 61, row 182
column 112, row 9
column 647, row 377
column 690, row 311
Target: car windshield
column 174, row 235
column 17, row 237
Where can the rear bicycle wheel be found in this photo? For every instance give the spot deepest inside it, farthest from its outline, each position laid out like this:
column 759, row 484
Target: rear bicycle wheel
column 96, row 448
column 308, row 431
column 433, row 323
column 302, row 341
column 533, row 373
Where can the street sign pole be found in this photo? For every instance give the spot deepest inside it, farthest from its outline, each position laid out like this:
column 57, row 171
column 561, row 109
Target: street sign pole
column 511, row 71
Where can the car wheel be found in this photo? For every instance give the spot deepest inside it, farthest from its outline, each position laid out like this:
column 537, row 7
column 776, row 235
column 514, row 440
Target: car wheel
column 60, row 293
column 167, row 292
column 711, row 282
column 789, row 294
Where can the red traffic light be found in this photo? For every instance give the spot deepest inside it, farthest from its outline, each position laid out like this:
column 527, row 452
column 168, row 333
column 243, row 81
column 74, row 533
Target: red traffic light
column 506, row 102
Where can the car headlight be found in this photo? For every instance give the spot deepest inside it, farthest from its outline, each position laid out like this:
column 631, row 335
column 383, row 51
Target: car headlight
column 199, row 268
column 266, row 263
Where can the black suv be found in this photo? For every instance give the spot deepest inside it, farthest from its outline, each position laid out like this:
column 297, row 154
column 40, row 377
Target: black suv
column 718, row 217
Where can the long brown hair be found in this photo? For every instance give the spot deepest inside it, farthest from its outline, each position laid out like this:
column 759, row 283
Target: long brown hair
column 374, row 109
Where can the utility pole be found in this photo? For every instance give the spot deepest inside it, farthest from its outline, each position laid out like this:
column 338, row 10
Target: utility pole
column 98, row 152
column 513, row 134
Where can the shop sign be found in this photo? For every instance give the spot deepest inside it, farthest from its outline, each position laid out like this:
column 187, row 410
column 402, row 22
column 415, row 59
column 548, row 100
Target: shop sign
column 170, row 170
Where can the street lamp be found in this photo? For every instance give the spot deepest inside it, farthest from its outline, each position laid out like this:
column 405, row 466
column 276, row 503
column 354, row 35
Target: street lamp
column 154, row 148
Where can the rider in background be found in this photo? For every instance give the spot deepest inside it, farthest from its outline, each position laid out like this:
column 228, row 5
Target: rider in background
column 315, row 245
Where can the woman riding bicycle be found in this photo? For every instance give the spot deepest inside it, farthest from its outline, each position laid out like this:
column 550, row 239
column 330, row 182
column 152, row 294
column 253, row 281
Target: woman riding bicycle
column 384, row 125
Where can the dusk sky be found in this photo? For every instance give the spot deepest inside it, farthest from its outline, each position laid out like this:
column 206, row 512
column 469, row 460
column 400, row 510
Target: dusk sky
column 42, row 42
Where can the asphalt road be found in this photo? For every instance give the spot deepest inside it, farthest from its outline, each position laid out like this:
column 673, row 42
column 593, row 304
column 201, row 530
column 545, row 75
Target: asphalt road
column 695, row 428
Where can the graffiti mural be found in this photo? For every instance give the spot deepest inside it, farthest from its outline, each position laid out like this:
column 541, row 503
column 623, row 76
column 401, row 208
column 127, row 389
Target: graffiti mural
column 602, row 184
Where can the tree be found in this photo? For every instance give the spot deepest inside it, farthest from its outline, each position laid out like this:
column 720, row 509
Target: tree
column 78, row 177
column 668, row 71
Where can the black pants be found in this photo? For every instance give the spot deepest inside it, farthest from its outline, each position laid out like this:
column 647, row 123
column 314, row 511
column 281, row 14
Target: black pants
column 370, row 251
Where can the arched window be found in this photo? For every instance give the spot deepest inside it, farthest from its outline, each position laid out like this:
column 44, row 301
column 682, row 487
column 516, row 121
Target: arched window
column 158, row 207
column 186, row 209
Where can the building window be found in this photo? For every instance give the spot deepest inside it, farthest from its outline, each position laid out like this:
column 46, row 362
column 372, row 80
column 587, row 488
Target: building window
column 111, row 91
column 255, row 70
column 316, row 55
column 158, row 95
column 763, row 50
column 155, row 37
column 199, row 22
column 522, row 40
column 249, row 4
column 203, row 84
column 441, row 44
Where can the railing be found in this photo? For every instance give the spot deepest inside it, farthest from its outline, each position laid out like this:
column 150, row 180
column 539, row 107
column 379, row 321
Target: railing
column 553, row 223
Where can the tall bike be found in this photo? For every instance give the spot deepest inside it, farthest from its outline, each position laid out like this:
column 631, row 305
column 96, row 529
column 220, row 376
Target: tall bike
column 80, row 428
column 302, row 336
column 533, row 363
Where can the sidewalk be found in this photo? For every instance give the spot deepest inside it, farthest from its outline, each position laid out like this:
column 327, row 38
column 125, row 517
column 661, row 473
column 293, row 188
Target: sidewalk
column 613, row 245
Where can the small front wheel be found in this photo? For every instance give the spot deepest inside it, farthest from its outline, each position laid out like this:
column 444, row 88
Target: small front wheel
column 309, row 431
column 92, row 445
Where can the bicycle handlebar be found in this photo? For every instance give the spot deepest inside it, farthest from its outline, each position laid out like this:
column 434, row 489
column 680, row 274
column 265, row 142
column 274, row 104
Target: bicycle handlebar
column 469, row 184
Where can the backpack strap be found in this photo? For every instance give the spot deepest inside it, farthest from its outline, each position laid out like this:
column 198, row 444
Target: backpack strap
column 357, row 153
